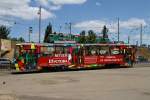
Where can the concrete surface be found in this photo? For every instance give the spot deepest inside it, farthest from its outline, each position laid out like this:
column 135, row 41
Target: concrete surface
column 102, row 84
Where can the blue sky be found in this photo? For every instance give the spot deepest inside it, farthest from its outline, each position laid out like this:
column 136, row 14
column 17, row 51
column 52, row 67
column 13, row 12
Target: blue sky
column 84, row 15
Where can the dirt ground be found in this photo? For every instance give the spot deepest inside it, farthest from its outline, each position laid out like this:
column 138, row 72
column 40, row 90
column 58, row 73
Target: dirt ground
column 102, row 84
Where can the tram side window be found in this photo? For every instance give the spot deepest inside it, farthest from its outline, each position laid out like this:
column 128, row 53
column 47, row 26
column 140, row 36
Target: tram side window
column 61, row 50
column 20, row 52
column 17, row 51
column 114, row 50
column 90, row 50
column 47, row 51
column 104, row 51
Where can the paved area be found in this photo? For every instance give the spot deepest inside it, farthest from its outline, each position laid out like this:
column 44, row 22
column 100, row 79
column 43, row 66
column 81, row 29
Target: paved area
column 102, row 84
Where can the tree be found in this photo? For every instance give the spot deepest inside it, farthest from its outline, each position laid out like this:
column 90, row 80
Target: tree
column 61, row 36
column 48, row 31
column 21, row 39
column 91, row 37
column 4, row 32
column 104, row 32
column 14, row 39
column 82, row 37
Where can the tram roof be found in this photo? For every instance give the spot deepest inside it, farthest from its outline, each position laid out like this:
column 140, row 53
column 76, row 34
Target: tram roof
column 73, row 44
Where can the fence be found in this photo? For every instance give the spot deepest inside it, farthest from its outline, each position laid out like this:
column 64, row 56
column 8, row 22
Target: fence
column 6, row 68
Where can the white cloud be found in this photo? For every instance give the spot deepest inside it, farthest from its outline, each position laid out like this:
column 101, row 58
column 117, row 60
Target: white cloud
column 6, row 23
column 97, row 25
column 57, row 4
column 63, row 2
column 35, row 37
column 55, row 7
column 43, row 2
column 144, row 37
column 136, row 37
column 132, row 23
column 21, row 9
column 28, row 10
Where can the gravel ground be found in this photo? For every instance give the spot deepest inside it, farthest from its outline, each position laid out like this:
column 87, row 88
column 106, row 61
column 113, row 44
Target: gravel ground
column 102, row 84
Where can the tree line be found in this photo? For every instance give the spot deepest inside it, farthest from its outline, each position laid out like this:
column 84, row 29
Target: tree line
column 84, row 37
column 5, row 32
column 91, row 36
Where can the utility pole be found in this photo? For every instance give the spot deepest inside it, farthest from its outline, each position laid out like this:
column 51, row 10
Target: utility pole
column 137, row 43
column 70, row 28
column 60, row 27
column 141, row 34
column 0, row 46
column 30, row 32
column 128, row 39
column 39, row 23
column 118, row 31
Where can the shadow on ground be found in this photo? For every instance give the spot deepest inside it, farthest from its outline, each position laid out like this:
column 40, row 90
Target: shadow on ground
column 47, row 70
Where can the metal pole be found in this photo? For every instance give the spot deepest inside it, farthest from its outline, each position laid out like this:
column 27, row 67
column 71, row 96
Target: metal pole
column 137, row 43
column 40, row 24
column 0, row 46
column 141, row 34
column 30, row 32
column 118, row 30
column 128, row 39
column 70, row 27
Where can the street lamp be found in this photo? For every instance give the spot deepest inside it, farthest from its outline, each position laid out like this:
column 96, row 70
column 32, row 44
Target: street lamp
column 39, row 13
column 70, row 29
column 30, row 32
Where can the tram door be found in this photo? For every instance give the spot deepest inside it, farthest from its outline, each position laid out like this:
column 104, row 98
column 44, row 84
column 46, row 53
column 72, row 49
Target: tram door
column 77, row 56
column 130, row 55
column 90, row 55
